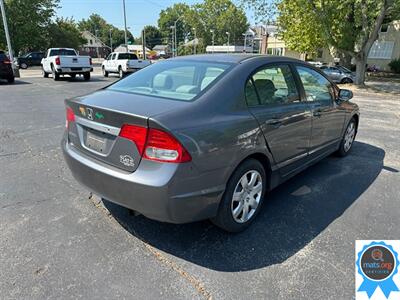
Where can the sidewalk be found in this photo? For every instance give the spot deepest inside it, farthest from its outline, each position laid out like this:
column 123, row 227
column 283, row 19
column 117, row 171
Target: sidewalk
column 384, row 85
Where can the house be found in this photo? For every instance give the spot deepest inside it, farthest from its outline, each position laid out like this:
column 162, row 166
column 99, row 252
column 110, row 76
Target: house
column 93, row 47
column 385, row 49
column 137, row 49
column 162, row 50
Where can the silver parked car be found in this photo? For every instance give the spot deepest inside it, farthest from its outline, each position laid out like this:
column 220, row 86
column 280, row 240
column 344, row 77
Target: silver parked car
column 206, row 136
column 339, row 74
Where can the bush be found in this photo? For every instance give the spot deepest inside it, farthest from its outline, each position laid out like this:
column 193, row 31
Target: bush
column 395, row 65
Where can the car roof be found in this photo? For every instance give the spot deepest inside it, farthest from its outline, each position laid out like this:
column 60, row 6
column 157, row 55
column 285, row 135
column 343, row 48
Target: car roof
column 236, row 58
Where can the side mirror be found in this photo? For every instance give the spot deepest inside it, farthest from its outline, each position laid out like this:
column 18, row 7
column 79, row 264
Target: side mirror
column 345, row 95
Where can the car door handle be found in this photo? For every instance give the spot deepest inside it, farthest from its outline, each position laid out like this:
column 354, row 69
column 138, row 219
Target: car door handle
column 317, row 113
column 274, row 122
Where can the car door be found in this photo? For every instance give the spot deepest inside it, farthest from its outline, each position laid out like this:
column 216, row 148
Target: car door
column 273, row 97
column 107, row 62
column 327, row 117
column 113, row 63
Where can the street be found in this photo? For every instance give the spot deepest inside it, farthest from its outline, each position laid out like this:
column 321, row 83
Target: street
column 59, row 241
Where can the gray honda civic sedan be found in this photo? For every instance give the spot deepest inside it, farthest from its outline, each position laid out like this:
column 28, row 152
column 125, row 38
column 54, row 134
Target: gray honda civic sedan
column 206, row 136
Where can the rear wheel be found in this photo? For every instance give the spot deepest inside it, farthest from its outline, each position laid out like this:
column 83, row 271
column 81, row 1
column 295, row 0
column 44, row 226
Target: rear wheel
column 11, row 79
column 56, row 76
column 348, row 138
column 105, row 73
column 45, row 74
column 86, row 76
column 121, row 72
column 243, row 197
column 72, row 76
column 347, row 80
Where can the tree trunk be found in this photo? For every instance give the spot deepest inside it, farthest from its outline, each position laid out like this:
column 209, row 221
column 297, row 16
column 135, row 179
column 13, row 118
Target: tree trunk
column 360, row 70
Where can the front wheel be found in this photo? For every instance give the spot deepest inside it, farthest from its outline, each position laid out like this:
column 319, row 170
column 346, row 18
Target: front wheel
column 45, row 74
column 347, row 80
column 348, row 138
column 243, row 197
column 24, row 66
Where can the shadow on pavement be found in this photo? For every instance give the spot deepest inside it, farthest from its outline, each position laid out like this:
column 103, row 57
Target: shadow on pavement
column 292, row 216
column 16, row 82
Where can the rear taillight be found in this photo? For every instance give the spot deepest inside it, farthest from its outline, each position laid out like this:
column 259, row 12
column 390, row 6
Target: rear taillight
column 154, row 144
column 136, row 134
column 70, row 116
column 7, row 62
column 58, row 61
column 90, row 60
column 161, row 146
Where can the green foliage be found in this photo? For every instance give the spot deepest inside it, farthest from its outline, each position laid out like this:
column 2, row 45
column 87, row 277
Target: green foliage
column 395, row 65
column 28, row 23
column 153, row 36
column 65, row 33
column 100, row 28
column 219, row 15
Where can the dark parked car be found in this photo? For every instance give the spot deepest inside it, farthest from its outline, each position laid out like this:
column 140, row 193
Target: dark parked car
column 339, row 74
column 6, row 71
column 30, row 59
column 206, row 136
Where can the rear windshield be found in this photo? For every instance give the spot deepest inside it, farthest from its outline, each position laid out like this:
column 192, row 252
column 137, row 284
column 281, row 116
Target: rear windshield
column 62, row 52
column 127, row 56
column 178, row 80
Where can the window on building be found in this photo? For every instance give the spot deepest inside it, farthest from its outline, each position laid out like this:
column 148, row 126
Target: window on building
column 91, row 42
column 384, row 27
column 381, row 49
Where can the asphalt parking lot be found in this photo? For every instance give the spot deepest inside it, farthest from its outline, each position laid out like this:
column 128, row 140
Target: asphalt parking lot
column 58, row 241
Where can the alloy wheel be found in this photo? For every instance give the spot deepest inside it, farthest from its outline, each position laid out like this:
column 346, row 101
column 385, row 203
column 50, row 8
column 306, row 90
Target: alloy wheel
column 349, row 136
column 246, row 196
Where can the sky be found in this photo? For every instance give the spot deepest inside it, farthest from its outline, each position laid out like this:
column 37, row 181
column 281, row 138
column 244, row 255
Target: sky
column 138, row 12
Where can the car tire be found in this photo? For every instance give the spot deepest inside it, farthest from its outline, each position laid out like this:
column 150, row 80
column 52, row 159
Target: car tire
column 86, row 76
column 243, row 197
column 105, row 73
column 45, row 74
column 73, row 76
column 348, row 138
column 23, row 66
column 346, row 80
column 11, row 79
column 56, row 76
column 120, row 72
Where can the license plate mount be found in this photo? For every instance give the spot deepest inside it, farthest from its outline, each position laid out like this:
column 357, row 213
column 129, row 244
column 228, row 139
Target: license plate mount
column 95, row 142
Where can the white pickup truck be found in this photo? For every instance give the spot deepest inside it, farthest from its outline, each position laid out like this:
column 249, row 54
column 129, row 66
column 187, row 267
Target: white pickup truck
column 122, row 63
column 66, row 61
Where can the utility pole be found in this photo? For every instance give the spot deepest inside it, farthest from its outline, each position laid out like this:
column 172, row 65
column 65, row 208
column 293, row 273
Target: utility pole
column 144, row 43
column 228, row 34
column 126, row 34
column 213, row 35
column 111, row 44
column 244, row 45
column 176, row 44
column 195, row 40
column 172, row 41
column 97, row 41
column 10, row 50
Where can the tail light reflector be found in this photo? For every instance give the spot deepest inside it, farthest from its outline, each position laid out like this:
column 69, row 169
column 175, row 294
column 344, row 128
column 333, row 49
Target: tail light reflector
column 57, row 61
column 70, row 116
column 154, row 144
column 7, row 62
column 136, row 134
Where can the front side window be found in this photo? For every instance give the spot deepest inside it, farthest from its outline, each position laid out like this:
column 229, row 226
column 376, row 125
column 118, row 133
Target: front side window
column 316, row 86
column 178, row 80
column 272, row 85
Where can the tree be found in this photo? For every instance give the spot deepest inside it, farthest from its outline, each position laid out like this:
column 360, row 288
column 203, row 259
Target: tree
column 100, row 28
column 28, row 22
column 153, row 36
column 65, row 33
column 347, row 27
column 221, row 16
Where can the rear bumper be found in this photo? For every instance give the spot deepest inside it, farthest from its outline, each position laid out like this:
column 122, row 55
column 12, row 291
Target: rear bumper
column 159, row 191
column 74, row 70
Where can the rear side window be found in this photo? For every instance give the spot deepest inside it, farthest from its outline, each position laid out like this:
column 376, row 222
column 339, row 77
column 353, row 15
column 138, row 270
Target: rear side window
column 62, row 52
column 316, row 86
column 272, row 85
column 178, row 80
column 127, row 56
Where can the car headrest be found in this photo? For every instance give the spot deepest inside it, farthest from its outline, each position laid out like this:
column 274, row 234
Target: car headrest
column 205, row 82
column 265, row 84
column 162, row 81
column 187, row 89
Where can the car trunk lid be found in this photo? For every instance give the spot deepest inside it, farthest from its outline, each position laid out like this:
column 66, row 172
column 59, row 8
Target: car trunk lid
column 99, row 118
